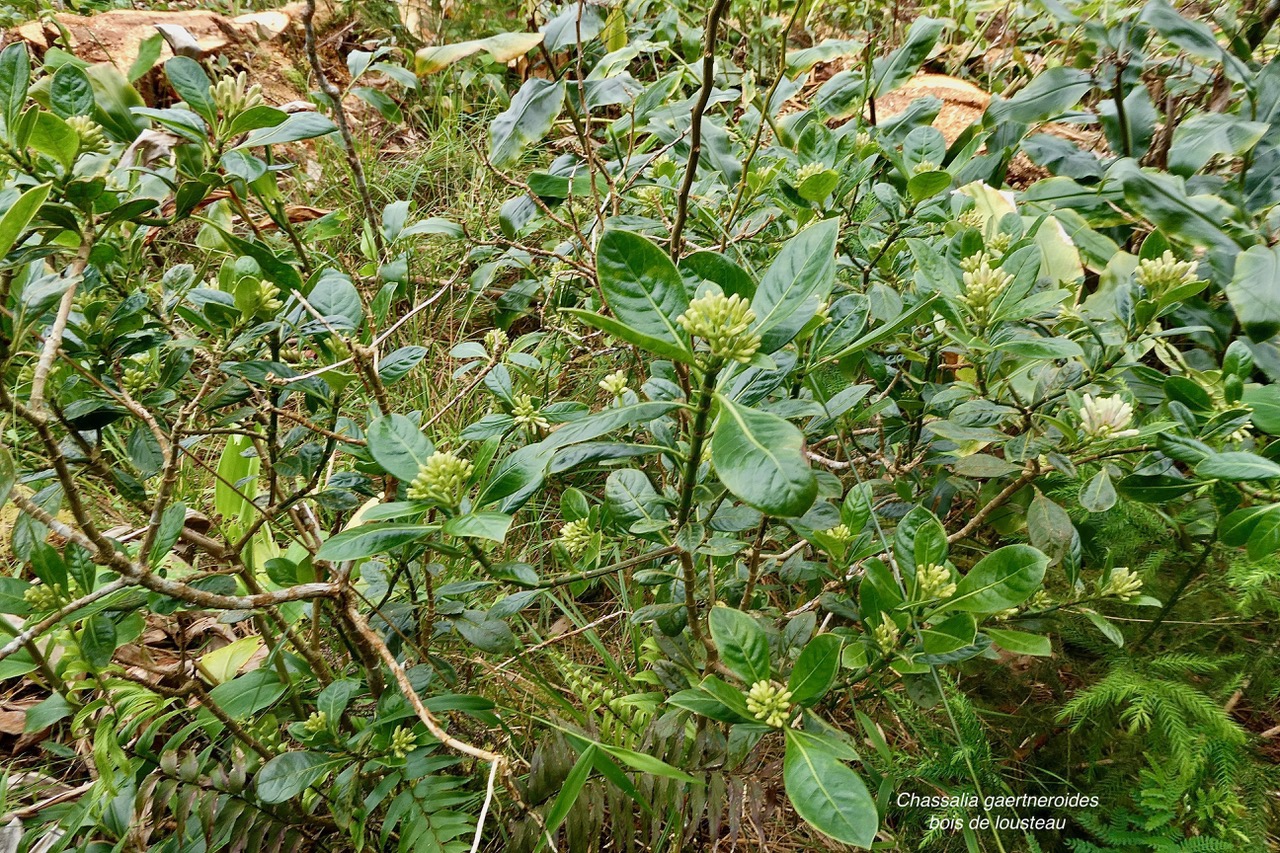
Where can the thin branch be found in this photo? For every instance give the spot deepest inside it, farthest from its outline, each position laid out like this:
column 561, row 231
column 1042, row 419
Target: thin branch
column 31, row 632
column 695, row 132
column 53, row 341
column 340, row 116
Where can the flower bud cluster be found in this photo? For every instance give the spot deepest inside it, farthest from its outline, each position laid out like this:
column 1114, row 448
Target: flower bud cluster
column 526, row 414
column 615, row 384
column 234, row 95
column 934, row 581
column 1163, row 274
column 403, row 741
column 769, row 703
column 1122, row 584
column 442, row 479
column 92, row 138
column 983, row 284
column 886, row 635
column 724, row 322
column 575, row 536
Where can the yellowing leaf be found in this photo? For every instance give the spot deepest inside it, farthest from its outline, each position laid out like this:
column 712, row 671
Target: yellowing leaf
column 223, row 664
column 502, row 47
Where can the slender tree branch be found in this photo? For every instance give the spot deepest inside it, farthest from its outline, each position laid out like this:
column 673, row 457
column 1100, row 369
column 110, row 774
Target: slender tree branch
column 709, row 40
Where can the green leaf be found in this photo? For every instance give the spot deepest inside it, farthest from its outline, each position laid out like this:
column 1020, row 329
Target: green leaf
column 826, row 793
column 760, row 459
column 171, row 524
column 487, row 634
column 743, row 644
column 1048, row 95
column 98, row 641
column 642, row 287
column 703, row 703
column 1238, row 466
column 1192, row 36
column 298, row 126
column 256, row 118
column 396, row 365
column 192, row 85
column 1155, row 488
column 223, row 663
column 149, row 50
column 1264, row 401
column 236, row 486
column 396, row 443
column 647, row 763
column 1254, row 291
column 370, row 539
column 290, row 773
column 517, row 476
column 17, row 217
column 1048, row 526
column 8, row 475
column 570, row 788
column 1004, row 578
column 815, row 670
column 15, row 77
column 1237, row 528
column 622, row 331
column 12, row 592
column 890, row 72
column 70, row 92
column 479, row 525
column 1104, row 625
column 1202, row 137
column 1020, row 642
column 530, row 117
column 796, row 282
column 1163, row 199
column 48, row 712
column 1099, row 494
column 630, row 498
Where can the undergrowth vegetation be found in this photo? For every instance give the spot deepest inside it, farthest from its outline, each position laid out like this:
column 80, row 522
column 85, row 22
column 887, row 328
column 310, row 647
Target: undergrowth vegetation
column 627, row 432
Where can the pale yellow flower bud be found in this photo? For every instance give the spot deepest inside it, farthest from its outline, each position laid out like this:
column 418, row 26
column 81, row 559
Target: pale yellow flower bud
column 724, row 322
column 442, row 479
column 769, row 703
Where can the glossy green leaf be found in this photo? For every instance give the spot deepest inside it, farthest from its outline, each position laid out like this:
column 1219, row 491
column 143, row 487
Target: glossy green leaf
column 70, row 92
column 479, row 525
column 815, row 670
column 19, row 215
column 570, row 788
column 290, row 773
column 295, row 128
column 1048, row 95
column 98, row 641
column 15, row 77
column 760, row 459
column 370, row 539
column 742, row 643
column 1238, row 466
column 1099, row 494
column 1254, row 291
column 532, row 112
column 190, row 81
column 826, row 793
column 642, row 287
column 799, row 278
column 1004, row 578
column 1020, row 642
column 396, row 443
